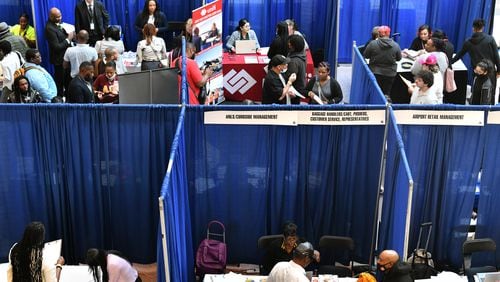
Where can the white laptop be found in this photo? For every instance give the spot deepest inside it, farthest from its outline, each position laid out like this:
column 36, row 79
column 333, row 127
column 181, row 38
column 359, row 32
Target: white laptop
column 245, row 46
column 489, row 277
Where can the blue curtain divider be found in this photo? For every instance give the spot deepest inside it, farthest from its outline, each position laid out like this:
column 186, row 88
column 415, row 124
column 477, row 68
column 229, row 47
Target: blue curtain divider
column 75, row 168
column 365, row 90
column 254, row 178
column 445, row 162
column 174, row 195
column 397, row 185
column 405, row 16
column 489, row 202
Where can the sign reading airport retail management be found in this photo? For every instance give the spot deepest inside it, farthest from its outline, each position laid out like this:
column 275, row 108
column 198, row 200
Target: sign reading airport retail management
column 429, row 117
column 293, row 118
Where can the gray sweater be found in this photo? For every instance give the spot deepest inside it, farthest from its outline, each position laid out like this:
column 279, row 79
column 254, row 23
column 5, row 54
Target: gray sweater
column 383, row 54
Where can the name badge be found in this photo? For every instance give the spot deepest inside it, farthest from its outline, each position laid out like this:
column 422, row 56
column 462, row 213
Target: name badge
column 92, row 27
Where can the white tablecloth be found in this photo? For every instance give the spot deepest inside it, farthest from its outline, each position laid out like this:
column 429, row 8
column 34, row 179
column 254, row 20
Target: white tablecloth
column 233, row 277
column 442, row 277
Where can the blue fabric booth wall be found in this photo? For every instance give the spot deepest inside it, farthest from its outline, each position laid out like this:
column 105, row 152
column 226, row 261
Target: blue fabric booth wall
column 398, row 180
column 174, row 198
column 489, row 202
column 445, row 162
column 85, row 171
column 254, row 178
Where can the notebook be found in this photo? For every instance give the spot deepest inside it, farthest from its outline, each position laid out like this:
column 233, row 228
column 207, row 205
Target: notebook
column 52, row 251
column 245, row 47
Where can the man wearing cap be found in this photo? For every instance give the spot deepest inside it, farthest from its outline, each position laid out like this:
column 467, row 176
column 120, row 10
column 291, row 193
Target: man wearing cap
column 383, row 54
column 277, row 89
column 294, row 270
column 16, row 42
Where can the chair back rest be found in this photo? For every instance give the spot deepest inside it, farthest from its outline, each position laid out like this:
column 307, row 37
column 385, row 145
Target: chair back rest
column 334, row 248
column 264, row 241
column 477, row 245
column 336, row 242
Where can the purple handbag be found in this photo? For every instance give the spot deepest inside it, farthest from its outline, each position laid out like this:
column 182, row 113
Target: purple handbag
column 211, row 255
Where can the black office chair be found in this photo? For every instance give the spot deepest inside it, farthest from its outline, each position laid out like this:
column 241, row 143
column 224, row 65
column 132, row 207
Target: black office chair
column 478, row 246
column 336, row 249
column 263, row 244
column 264, row 241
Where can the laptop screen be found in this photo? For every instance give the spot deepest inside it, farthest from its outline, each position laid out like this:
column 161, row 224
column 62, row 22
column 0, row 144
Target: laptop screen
column 245, row 46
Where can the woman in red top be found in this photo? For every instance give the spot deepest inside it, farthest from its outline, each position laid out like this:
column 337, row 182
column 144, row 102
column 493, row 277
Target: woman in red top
column 106, row 84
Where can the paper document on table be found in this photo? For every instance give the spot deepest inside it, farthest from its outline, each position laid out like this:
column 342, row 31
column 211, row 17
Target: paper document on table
column 411, row 54
column 52, row 251
column 294, row 91
column 318, row 100
column 69, row 28
column 263, row 51
column 251, row 60
column 407, row 82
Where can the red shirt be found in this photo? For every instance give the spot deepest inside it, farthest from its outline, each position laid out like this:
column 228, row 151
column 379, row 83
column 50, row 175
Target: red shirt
column 103, row 84
column 193, row 77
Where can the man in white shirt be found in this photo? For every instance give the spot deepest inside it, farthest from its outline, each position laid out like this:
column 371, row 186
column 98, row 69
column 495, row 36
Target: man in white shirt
column 82, row 52
column 294, row 270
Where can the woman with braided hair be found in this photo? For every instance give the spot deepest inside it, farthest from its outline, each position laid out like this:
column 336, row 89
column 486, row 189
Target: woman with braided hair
column 26, row 257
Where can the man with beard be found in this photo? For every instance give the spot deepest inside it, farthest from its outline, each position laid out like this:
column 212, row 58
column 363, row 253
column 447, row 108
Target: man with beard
column 23, row 93
column 59, row 40
column 80, row 88
column 196, row 79
column 392, row 268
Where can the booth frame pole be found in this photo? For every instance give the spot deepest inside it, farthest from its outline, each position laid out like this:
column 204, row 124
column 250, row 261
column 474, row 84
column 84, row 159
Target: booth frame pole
column 337, row 28
column 164, row 238
column 408, row 220
column 380, row 187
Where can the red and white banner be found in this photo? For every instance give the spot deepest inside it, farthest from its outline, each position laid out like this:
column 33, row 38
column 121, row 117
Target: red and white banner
column 207, row 32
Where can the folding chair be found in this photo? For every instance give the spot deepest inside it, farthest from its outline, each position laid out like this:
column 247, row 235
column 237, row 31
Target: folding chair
column 478, row 246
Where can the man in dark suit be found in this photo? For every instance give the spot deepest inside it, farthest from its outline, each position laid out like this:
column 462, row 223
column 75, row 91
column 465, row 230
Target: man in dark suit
column 91, row 16
column 80, row 88
column 59, row 40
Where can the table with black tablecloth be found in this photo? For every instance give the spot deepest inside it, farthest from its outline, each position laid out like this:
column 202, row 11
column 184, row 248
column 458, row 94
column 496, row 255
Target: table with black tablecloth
column 400, row 95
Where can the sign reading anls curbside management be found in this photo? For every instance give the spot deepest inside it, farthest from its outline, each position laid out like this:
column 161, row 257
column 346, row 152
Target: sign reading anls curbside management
column 293, row 118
